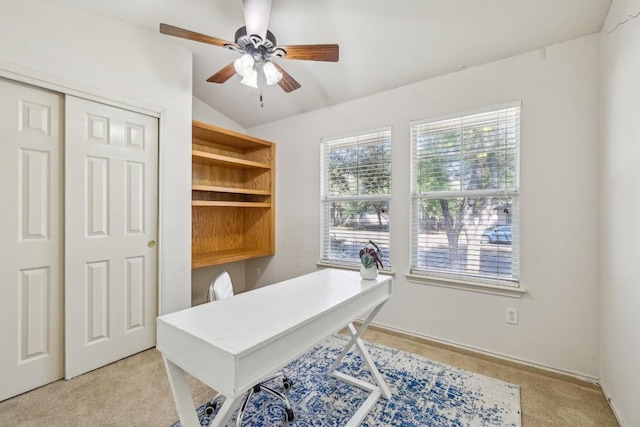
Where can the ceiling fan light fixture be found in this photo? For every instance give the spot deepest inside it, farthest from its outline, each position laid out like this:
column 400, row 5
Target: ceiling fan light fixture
column 244, row 65
column 251, row 79
column 271, row 73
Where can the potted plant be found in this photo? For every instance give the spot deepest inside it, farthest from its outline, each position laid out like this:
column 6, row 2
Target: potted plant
column 370, row 261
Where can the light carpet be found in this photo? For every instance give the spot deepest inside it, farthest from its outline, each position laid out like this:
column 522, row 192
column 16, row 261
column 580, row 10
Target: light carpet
column 425, row 393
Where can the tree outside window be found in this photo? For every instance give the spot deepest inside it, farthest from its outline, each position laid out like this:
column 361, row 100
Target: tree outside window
column 465, row 196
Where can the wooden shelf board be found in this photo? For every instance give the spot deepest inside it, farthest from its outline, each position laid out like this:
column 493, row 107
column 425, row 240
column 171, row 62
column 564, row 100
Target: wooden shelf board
column 229, row 204
column 219, row 136
column 233, row 190
column 205, row 158
column 230, row 255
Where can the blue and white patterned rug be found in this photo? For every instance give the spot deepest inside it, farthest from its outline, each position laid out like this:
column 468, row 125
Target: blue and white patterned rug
column 425, row 393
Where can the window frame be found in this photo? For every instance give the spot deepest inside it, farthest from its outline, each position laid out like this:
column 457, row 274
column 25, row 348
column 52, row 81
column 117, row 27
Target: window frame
column 462, row 280
column 326, row 199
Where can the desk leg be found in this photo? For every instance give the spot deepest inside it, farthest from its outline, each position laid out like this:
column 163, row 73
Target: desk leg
column 181, row 394
column 222, row 417
column 386, row 393
column 375, row 391
column 355, row 339
column 356, row 336
column 184, row 401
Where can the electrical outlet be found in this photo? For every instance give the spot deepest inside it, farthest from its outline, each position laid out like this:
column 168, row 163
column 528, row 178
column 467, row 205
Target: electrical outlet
column 258, row 271
column 512, row 315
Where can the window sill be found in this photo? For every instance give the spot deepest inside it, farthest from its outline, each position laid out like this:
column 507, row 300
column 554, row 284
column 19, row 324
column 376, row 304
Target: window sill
column 505, row 291
column 321, row 264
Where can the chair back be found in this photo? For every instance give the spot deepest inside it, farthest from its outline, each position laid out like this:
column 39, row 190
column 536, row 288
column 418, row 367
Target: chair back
column 220, row 288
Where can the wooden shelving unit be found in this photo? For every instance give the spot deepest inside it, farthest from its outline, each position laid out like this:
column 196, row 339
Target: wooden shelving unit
column 233, row 198
column 204, row 158
column 233, row 190
column 222, row 203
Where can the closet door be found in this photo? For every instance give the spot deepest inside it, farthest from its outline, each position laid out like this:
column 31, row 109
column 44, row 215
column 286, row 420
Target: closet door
column 31, row 340
column 111, row 206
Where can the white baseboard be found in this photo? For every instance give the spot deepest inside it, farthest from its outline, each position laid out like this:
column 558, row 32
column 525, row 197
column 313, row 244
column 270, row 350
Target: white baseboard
column 613, row 406
column 578, row 375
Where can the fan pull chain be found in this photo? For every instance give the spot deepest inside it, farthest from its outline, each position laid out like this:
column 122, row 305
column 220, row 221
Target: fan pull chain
column 261, row 80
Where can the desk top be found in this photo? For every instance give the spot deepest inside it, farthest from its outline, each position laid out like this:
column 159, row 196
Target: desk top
column 247, row 320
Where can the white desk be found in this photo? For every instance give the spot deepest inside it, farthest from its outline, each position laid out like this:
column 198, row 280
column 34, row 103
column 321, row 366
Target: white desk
column 234, row 343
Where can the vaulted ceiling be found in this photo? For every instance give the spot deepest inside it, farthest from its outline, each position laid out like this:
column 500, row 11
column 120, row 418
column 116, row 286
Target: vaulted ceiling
column 383, row 44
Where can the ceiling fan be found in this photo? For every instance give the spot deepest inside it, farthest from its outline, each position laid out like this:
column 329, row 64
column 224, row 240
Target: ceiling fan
column 258, row 47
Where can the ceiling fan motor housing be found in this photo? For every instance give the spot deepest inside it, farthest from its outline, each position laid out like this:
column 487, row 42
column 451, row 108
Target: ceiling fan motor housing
column 254, row 45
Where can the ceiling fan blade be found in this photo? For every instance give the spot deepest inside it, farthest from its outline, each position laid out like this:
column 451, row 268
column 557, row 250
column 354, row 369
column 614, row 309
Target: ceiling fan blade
column 223, row 75
column 287, row 83
column 256, row 17
column 312, row 52
column 191, row 35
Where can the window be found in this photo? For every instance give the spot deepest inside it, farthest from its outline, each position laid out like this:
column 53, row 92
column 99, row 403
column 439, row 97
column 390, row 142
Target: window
column 465, row 197
column 356, row 190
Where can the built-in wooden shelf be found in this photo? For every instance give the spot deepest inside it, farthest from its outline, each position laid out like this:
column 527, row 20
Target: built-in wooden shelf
column 206, row 134
column 233, row 196
column 205, row 158
column 230, row 255
column 224, row 203
column 231, row 190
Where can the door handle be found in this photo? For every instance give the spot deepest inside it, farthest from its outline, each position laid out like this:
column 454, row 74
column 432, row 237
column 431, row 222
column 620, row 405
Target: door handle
column 151, row 243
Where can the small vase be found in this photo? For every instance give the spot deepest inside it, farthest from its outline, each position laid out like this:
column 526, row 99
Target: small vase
column 368, row 273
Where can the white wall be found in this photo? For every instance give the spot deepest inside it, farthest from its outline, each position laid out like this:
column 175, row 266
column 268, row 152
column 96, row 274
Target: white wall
column 207, row 114
column 99, row 56
column 559, row 201
column 620, row 210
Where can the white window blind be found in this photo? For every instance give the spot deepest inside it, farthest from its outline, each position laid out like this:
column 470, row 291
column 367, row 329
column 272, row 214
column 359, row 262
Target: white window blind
column 356, row 190
column 465, row 197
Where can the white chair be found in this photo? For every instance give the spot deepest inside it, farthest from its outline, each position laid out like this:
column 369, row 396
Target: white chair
column 220, row 288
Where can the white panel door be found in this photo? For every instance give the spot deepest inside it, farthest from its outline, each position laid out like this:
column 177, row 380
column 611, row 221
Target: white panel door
column 111, row 206
column 31, row 252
